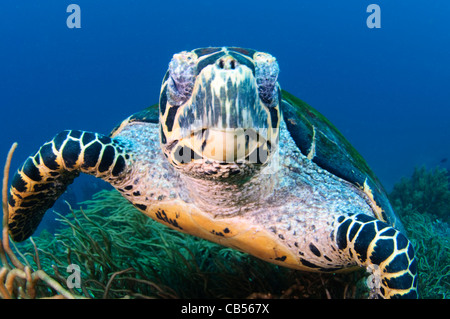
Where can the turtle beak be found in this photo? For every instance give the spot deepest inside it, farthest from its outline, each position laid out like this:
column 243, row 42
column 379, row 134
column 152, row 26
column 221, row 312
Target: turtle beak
column 235, row 145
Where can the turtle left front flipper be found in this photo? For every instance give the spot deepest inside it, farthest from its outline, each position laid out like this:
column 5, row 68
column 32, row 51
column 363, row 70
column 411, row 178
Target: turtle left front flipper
column 384, row 251
column 44, row 176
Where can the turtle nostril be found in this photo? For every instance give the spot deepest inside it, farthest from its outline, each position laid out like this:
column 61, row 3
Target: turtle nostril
column 227, row 63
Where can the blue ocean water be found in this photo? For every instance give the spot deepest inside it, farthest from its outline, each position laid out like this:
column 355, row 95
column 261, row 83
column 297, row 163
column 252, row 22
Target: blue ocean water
column 387, row 89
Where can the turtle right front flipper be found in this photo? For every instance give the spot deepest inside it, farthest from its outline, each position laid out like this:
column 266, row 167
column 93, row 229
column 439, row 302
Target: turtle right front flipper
column 45, row 176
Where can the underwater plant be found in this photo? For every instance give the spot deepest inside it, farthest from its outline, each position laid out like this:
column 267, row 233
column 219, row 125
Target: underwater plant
column 426, row 191
column 423, row 204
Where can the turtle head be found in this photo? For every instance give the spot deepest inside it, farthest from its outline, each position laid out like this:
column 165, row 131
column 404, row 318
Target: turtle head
column 220, row 111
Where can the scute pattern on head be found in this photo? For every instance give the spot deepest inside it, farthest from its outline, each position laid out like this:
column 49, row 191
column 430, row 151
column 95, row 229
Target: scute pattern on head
column 266, row 77
column 220, row 105
column 182, row 70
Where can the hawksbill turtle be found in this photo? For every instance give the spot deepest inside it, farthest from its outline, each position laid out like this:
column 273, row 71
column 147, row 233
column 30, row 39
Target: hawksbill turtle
column 228, row 156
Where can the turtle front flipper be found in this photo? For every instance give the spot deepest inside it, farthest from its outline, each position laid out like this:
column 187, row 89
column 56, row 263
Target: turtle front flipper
column 45, row 176
column 385, row 252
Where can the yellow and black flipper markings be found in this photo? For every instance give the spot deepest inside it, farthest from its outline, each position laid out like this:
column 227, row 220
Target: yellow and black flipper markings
column 385, row 252
column 45, row 176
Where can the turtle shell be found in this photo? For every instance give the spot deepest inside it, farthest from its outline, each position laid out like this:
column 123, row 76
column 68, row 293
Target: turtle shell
column 324, row 145
column 148, row 115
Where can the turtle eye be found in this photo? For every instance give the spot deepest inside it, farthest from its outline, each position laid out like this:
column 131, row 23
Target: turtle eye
column 181, row 77
column 266, row 72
